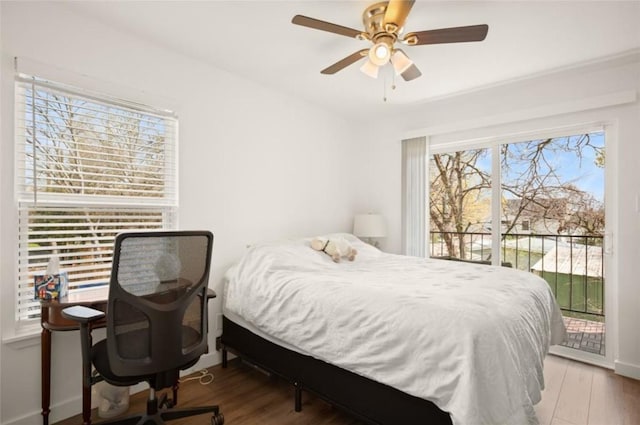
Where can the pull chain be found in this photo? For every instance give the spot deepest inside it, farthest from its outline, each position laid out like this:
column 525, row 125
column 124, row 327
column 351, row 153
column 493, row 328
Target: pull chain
column 393, row 84
column 384, row 89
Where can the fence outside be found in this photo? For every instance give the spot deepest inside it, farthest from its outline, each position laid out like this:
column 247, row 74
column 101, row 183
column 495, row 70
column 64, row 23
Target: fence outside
column 572, row 265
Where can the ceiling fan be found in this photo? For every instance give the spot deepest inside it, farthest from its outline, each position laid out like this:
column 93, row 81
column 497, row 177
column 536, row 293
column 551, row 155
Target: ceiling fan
column 383, row 26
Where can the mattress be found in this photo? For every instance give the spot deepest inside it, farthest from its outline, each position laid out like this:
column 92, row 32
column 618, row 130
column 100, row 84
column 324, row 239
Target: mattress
column 469, row 338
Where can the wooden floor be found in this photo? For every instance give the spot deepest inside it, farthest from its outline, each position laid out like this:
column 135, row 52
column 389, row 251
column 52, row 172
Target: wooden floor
column 575, row 394
column 579, row 394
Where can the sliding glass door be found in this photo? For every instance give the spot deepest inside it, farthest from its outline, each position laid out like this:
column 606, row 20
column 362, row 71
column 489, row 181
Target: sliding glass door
column 536, row 205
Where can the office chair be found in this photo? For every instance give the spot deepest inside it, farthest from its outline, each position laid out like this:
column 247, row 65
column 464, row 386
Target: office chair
column 156, row 319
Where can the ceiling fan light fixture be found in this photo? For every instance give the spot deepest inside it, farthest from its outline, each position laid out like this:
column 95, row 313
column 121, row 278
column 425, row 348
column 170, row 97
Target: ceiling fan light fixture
column 370, row 69
column 400, row 62
column 383, row 24
column 380, row 53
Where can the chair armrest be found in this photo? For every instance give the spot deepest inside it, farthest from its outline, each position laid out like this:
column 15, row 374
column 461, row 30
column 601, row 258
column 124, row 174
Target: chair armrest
column 82, row 314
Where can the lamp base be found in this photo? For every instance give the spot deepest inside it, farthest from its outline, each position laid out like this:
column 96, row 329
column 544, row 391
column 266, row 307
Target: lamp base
column 373, row 242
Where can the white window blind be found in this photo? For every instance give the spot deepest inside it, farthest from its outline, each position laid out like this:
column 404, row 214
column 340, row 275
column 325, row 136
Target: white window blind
column 88, row 167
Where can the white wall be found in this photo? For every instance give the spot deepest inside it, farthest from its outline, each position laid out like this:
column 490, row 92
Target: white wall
column 378, row 175
column 603, row 91
column 254, row 165
column 1, row 215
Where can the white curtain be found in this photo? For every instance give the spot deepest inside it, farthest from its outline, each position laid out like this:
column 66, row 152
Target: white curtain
column 414, row 196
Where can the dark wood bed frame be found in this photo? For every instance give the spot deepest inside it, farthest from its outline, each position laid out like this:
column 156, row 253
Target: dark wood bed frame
column 367, row 400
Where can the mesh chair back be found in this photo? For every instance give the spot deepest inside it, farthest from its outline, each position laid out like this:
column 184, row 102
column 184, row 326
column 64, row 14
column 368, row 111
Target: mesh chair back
column 157, row 311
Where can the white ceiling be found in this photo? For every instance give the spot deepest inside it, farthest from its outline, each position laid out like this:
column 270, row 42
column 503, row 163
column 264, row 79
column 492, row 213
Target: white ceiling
column 256, row 40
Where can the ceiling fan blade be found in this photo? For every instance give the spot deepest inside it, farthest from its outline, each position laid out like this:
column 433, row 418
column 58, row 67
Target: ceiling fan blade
column 448, row 35
column 317, row 24
column 343, row 63
column 411, row 73
column 397, row 12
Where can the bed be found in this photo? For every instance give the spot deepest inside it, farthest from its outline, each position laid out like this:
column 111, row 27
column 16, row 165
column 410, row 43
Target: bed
column 394, row 339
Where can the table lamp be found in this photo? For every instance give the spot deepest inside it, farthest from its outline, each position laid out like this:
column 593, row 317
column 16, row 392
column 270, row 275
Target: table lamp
column 368, row 227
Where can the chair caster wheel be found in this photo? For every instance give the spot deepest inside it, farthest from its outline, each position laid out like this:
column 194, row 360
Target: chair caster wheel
column 217, row 419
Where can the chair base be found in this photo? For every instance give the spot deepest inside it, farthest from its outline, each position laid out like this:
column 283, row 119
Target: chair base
column 161, row 410
column 164, row 416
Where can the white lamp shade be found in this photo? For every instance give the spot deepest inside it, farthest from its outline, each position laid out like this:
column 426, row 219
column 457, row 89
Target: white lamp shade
column 400, row 62
column 370, row 69
column 369, row 226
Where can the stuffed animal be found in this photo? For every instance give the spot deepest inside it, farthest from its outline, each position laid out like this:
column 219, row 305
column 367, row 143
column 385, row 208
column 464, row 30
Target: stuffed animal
column 335, row 248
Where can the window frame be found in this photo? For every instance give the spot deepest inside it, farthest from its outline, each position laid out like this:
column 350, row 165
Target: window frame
column 166, row 205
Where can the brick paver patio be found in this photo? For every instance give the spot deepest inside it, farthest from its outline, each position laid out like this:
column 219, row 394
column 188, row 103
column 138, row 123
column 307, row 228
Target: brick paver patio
column 585, row 335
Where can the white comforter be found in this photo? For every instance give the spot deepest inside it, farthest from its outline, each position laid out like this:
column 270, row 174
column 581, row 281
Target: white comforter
column 470, row 338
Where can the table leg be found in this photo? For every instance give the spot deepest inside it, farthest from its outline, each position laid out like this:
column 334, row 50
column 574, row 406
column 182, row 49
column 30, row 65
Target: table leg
column 86, row 405
column 86, row 341
column 45, row 373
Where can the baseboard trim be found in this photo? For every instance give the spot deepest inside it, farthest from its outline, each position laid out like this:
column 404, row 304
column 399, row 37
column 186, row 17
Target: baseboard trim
column 73, row 406
column 627, row 369
column 206, row 360
column 59, row 411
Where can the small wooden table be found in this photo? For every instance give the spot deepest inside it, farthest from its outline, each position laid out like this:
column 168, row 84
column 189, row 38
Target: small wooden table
column 51, row 320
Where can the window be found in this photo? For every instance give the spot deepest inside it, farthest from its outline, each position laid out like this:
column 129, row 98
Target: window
column 551, row 187
column 88, row 167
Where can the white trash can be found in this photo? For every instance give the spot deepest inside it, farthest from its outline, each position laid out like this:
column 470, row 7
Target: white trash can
column 112, row 400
